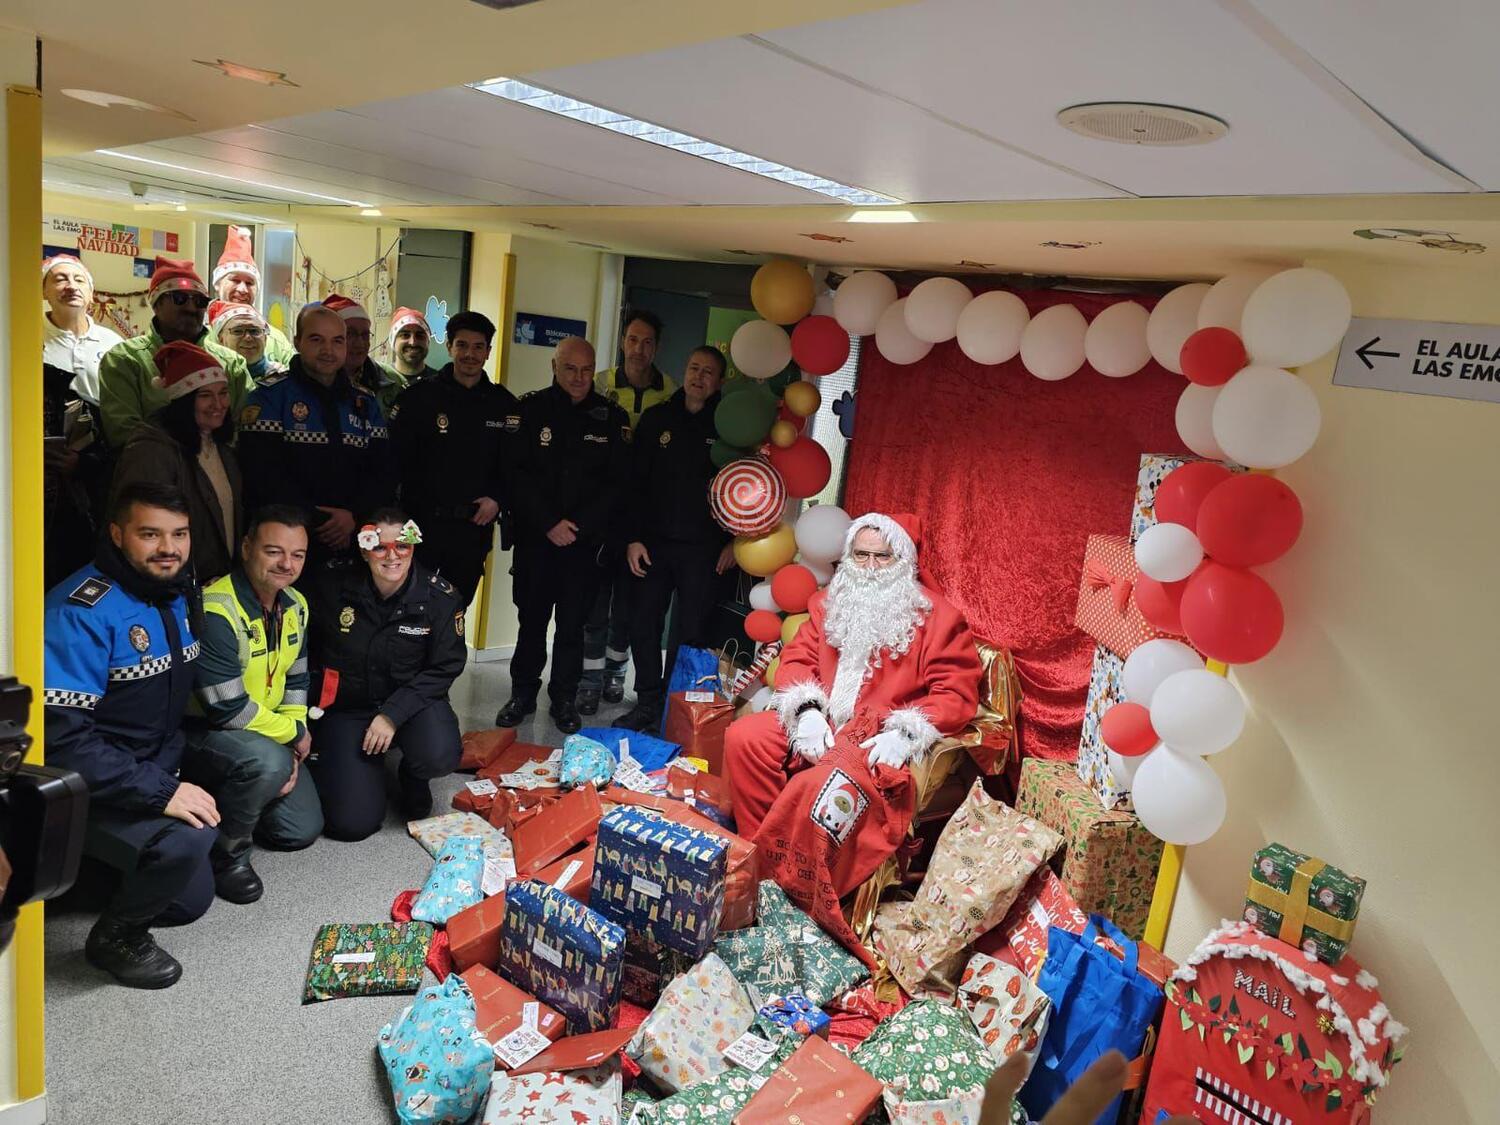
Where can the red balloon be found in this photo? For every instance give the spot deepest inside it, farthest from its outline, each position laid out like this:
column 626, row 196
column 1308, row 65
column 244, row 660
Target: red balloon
column 1231, row 614
column 1249, row 520
column 785, row 415
column 791, row 586
column 819, row 345
column 1211, row 357
column 804, row 466
column 1160, row 603
column 1126, row 729
column 762, row 625
column 1183, row 489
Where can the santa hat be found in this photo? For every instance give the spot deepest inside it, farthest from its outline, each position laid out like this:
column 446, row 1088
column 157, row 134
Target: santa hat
column 404, row 316
column 346, row 307
column 238, row 257
column 221, row 313
column 50, row 264
column 184, row 368
column 172, row 275
column 903, row 531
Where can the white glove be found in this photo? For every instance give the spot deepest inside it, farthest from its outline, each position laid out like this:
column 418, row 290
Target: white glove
column 813, row 737
column 888, row 748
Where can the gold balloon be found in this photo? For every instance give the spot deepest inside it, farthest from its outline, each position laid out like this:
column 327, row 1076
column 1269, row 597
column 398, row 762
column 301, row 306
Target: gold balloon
column 770, row 676
column 764, row 555
column 783, row 434
column 790, row 626
column 782, row 291
column 802, row 398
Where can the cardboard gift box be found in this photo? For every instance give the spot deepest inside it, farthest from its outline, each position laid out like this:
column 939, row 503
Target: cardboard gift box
column 481, row 747
column 1303, row 901
column 1043, row 903
column 563, row 953
column 659, row 878
column 541, row 841
column 435, row 831
column 793, row 1014
column 500, row 1007
column 477, row 797
column 1109, row 859
column 1107, row 609
column 648, row 967
column 817, row 1083
column 474, row 933
column 697, row 721
column 1106, row 688
column 366, row 959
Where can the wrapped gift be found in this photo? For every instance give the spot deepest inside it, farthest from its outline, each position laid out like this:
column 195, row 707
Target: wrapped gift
column 793, row 1014
column 438, row 1062
column 1303, row 901
column 573, row 874
column 708, row 794
column 538, row 764
column 585, row 762
column 474, row 933
column 478, row 797
column 481, row 747
column 543, row 840
column 433, row 832
column 635, row 1099
column 786, row 951
column 1106, row 688
column 586, row 1094
column 1009, row 1011
column 454, row 881
column 697, row 721
column 1107, row 609
column 366, row 959
column 1109, row 858
column 660, row 878
column 563, row 953
column 1044, row 903
column 649, row 751
column 927, row 1052
column 699, row 1014
column 991, row 736
column 816, row 1083
column 1153, row 470
column 500, row 1007
column 648, row 967
column 714, row 1102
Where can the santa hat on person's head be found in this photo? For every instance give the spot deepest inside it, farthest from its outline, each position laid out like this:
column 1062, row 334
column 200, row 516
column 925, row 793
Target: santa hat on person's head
column 222, row 313
column 185, row 368
column 172, row 275
column 50, row 264
column 346, row 307
column 238, row 257
column 404, row 316
column 903, row 531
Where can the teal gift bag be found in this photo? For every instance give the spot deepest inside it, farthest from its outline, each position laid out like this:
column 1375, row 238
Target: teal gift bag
column 1099, row 1003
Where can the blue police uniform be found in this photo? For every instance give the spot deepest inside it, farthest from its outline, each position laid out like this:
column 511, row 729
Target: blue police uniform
column 119, row 674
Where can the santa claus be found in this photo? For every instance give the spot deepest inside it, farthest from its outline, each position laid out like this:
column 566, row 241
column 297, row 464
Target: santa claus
column 879, row 641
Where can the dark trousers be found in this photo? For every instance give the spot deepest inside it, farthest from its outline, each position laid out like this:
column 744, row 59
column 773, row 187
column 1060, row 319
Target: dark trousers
column 245, row 771
column 686, row 569
column 456, row 549
column 606, row 636
column 550, row 582
column 351, row 783
column 165, row 879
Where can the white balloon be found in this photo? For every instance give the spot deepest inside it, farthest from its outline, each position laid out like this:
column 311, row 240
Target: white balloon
column 760, row 598
column 934, row 306
column 1151, row 663
column 894, row 340
column 1197, row 712
column 1123, row 769
column 1225, row 301
column 823, row 572
column 859, row 301
column 761, row 699
column 1195, row 420
column 1115, row 343
column 1295, row 317
column 1179, row 798
column 760, row 349
column 1265, row 418
column 820, row 533
column 1052, row 344
column 1172, row 321
column 1168, row 552
column 990, row 327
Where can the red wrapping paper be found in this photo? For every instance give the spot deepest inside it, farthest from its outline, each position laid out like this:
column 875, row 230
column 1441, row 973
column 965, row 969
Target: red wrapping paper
column 699, row 727
column 1107, row 609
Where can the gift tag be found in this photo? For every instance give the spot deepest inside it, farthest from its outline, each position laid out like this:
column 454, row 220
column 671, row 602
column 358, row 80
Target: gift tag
column 749, row 1051
column 687, row 764
column 641, row 885
column 483, row 787
column 552, row 956
column 499, row 871
column 567, row 873
column 366, row 958
column 521, row 1046
column 531, row 1013
column 698, row 696
column 520, row 781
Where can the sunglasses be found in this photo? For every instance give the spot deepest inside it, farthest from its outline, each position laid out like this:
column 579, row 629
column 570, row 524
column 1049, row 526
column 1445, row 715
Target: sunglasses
column 390, row 547
column 197, row 300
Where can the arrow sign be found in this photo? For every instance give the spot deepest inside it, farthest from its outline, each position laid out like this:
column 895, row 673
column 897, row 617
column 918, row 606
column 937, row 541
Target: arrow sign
column 1421, row 357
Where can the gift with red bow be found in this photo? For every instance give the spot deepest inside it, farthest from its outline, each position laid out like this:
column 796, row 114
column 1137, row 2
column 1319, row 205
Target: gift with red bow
column 1107, row 608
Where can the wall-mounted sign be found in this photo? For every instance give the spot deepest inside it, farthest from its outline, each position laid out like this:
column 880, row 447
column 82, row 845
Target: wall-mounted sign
column 546, row 331
column 106, row 238
column 1421, row 357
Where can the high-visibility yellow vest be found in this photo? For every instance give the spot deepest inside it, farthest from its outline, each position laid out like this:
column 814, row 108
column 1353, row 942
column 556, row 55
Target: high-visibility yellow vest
column 270, row 709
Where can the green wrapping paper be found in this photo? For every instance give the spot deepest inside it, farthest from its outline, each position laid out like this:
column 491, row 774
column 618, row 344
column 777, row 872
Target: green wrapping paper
column 786, row 951
column 1303, row 901
column 925, row 1052
column 366, row 959
column 716, row 1100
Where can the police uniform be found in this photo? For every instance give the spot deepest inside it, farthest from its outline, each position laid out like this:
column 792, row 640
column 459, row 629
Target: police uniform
column 570, row 463
column 306, row 444
column 450, row 442
column 385, row 383
column 119, row 674
column 396, row 657
column 668, row 511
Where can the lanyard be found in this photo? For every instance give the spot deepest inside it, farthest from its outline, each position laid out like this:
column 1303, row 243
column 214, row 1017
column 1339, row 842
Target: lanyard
column 272, row 620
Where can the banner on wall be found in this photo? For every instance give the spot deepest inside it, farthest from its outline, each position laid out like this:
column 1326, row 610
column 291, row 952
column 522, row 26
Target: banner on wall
column 88, row 236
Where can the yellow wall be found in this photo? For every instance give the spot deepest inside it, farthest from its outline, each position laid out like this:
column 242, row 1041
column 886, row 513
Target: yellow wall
column 1372, row 739
column 338, row 250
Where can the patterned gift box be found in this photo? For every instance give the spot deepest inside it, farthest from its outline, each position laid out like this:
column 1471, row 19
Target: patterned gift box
column 659, row 878
column 699, row 1014
column 1109, row 859
column 925, row 1052
column 716, row 1101
column 786, row 951
column 563, row 953
column 366, row 959
column 1106, row 688
column 435, row 831
column 1153, row 470
column 1107, row 609
column 1009, row 1011
column 633, row 1099
column 589, row 1095
column 1044, row 903
column 793, row 1014
column 454, row 881
column 1303, row 901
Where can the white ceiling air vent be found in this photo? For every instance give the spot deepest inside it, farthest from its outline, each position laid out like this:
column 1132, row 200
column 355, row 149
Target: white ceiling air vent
column 1141, row 123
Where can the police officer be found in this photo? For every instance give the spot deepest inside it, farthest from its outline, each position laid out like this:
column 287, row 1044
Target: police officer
column 388, row 642
column 247, row 733
column 570, row 461
column 450, row 433
column 119, row 673
column 675, row 546
column 312, row 438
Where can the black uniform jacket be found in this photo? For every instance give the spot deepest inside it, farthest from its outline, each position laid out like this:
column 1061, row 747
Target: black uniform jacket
column 671, row 471
column 571, row 462
column 451, row 444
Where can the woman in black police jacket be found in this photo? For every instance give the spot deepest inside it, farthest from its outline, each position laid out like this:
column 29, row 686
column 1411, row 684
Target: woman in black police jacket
column 387, row 644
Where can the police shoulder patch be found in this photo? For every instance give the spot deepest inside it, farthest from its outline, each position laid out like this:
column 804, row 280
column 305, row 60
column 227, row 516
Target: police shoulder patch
column 90, row 591
column 249, row 414
column 458, row 623
column 627, row 436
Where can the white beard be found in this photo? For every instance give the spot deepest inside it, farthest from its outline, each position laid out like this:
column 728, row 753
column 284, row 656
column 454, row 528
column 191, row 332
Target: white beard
column 872, row 614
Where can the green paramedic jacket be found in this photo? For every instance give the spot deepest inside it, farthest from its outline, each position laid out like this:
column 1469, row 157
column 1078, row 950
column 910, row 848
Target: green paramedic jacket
column 247, row 680
column 128, row 396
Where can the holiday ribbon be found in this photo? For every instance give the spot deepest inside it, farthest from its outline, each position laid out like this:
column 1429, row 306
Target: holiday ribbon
column 1296, row 910
column 1100, row 577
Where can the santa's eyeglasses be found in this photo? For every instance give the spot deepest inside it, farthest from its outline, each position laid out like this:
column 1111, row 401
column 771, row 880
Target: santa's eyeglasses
column 390, row 547
column 873, row 558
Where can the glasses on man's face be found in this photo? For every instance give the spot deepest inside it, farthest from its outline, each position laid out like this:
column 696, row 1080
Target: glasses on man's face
column 390, row 548
column 197, row 300
column 872, row 558
column 248, row 332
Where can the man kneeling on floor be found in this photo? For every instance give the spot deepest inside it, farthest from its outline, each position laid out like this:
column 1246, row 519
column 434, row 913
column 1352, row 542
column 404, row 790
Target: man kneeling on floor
column 247, row 735
column 119, row 673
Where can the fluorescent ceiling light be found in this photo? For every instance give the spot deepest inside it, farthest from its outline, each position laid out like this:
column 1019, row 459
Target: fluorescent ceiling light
column 231, row 179
column 572, row 108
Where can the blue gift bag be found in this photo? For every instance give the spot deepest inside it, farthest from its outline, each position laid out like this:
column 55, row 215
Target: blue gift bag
column 1099, row 1003
column 438, row 1062
column 651, row 752
column 696, row 669
column 585, row 762
column 454, row 882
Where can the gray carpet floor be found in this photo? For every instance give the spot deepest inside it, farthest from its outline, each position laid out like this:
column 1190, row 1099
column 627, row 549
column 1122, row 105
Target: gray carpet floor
column 231, row 1042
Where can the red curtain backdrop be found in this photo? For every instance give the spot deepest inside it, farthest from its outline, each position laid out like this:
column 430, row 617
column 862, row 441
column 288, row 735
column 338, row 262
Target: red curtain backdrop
column 1011, row 475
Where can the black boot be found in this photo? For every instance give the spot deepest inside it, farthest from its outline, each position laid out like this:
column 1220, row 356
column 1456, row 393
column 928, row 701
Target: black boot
column 514, row 713
column 128, row 952
column 614, row 685
column 234, row 879
column 565, row 715
column 588, row 700
column 645, row 717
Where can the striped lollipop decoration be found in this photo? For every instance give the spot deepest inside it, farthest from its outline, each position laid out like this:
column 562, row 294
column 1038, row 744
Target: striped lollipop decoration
column 747, row 497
